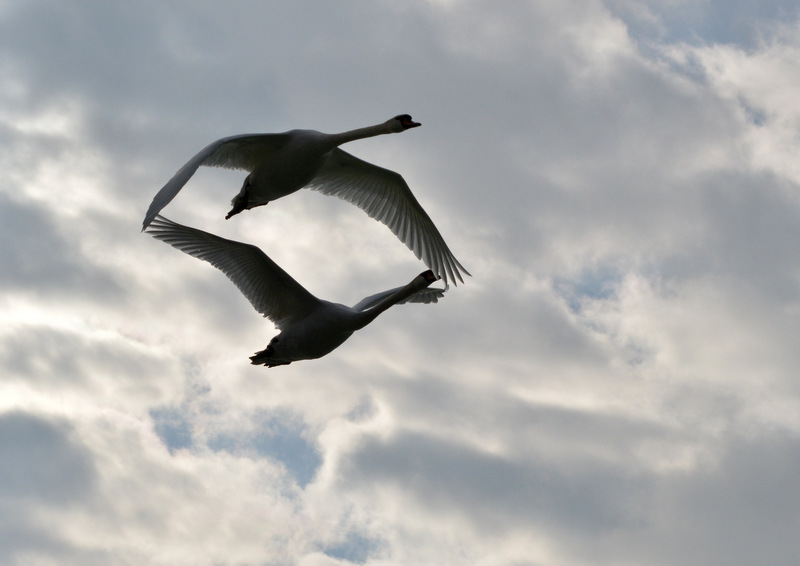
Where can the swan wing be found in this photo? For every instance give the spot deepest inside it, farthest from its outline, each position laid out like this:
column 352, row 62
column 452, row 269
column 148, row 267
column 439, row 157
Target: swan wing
column 424, row 296
column 244, row 151
column 271, row 291
column 385, row 196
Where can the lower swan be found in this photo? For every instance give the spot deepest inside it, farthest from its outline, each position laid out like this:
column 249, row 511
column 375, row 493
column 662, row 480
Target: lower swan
column 309, row 327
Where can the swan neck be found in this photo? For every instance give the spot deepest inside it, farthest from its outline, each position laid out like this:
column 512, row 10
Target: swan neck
column 367, row 316
column 359, row 134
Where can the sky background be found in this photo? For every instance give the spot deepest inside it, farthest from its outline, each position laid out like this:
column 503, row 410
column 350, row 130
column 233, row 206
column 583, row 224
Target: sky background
column 616, row 385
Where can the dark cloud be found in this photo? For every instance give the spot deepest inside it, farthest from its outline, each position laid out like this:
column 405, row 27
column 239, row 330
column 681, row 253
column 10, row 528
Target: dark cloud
column 42, row 461
column 493, row 415
column 753, row 227
column 755, row 483
column 40, row 259
column 63, row 359
column 501, row 494
column 744, row 491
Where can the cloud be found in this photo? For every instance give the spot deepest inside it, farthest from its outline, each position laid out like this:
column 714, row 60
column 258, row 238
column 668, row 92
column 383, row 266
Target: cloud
column 36, row 252
column 42, row 465
column 41, row 462
column 497, row 494
column 741, row 22
column 615, row 383
column 746, row 483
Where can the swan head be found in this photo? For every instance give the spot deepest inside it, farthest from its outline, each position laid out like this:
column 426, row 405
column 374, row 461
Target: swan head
column 428, row 277
column 402, row 122
column 423, row 280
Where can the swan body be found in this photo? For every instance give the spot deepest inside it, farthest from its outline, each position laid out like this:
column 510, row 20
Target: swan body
column 309, row 327
column 280, row 164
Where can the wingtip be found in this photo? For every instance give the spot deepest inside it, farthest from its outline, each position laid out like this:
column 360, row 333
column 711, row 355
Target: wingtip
column 147, row 223
column 148, row 219
column 457, row 271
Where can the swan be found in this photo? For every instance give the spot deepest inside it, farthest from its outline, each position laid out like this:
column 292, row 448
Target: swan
column 280, row 164
column 309, row 327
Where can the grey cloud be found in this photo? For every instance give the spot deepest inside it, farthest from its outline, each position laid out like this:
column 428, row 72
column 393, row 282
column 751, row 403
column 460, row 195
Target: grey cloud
column 41, row 461
column 757, row 483
column 737, row 508
column 527, row 428
column 18, row 540
column 62, row 359
column 739, row 22
column 564, row 161
column 38, row 258
column 532, row 323
column 22, row 543
column 753, row 232
column 733, row 225
column 500, row 494
column 127, row 64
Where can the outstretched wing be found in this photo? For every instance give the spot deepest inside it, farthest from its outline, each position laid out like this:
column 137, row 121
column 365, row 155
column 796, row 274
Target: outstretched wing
column 271, row 291
column 386, row 197
column 244, row 151
column 424, row 296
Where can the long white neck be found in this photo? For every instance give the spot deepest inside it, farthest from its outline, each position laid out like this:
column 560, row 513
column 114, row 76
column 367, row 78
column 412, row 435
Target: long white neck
column 363, row 318
column 360, row 134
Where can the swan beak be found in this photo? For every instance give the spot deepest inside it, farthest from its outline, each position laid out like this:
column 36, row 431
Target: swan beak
column 409, row 123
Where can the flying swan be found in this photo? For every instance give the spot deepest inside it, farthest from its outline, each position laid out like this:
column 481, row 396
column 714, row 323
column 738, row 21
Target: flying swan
column 309, row 327
column 280, row 164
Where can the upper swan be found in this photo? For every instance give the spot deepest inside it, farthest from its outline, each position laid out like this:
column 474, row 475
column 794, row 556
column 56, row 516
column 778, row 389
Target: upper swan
column 280, row 164
column 310, row 327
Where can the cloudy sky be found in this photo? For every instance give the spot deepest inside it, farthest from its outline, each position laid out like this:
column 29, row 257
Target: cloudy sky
column 618, row 383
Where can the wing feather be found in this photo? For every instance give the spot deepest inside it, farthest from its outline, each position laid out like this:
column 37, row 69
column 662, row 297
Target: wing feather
column 243, row 151
column 424, row 296
column 385, row 196
column 271, row 291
